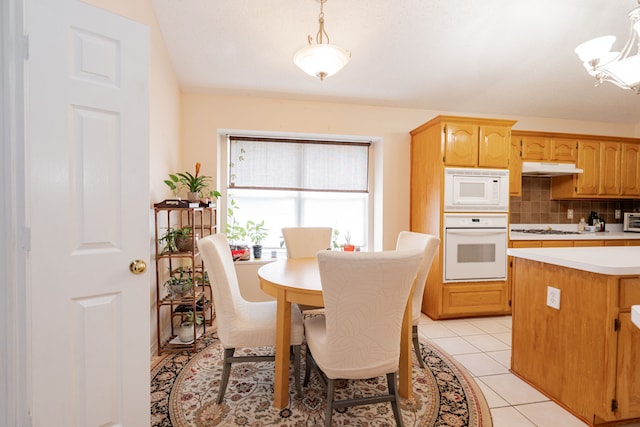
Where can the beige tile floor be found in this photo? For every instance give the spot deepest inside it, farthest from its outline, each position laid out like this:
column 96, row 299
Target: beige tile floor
column 483, row 346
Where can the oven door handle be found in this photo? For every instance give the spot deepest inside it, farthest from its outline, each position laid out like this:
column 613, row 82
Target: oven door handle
column 477, row 232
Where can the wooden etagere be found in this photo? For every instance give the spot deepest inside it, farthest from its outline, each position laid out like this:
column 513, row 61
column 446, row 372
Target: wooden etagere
column 202, row 220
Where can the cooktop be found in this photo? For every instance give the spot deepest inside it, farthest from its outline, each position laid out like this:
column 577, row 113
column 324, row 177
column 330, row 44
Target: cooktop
column 542, row 231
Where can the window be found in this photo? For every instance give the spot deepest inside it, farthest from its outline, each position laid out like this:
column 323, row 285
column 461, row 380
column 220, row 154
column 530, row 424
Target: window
column 296, row 182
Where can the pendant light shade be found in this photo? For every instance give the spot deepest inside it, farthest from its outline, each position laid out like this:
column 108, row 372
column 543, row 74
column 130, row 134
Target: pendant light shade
column 321, row 59
column 620, row 68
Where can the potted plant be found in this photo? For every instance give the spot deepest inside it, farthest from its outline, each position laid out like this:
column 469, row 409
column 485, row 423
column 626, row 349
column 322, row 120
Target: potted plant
column 236, row 233
column 185, row 333
column 177, row 240
column 347, row 243
column 179, row 284
column 256, row 233
column 194, row 184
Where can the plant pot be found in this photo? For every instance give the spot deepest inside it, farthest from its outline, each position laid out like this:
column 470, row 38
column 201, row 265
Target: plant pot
column 180, row 291
column 257, row 251
column 240, row 252
column 349, row 248
column 193, row 196
column 185, row 333
column 184, row 244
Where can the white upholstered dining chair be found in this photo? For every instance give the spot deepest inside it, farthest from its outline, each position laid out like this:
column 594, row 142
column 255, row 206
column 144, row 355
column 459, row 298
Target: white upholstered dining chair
column 242, row 323
column 305, row 242
column 429, row 246
column 365, row 295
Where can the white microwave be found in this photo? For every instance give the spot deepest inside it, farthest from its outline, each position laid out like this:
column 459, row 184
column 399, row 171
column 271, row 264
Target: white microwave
column 476, row 190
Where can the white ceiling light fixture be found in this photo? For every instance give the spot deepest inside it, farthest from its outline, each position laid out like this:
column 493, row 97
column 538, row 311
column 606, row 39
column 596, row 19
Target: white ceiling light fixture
column 321, row 59
column 620, row 68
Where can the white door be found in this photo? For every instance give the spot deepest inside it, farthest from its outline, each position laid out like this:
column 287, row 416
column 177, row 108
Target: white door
column 88, row 211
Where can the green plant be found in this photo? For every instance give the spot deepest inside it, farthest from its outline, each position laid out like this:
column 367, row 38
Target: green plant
column 179, row 281
column 256, row 231
column 171, row 236
column 190, row 317
column 235, row 232
column 335, row 237
column 193, row 183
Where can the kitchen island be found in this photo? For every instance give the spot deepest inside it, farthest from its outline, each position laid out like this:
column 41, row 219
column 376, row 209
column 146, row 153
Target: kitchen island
column 573, row 337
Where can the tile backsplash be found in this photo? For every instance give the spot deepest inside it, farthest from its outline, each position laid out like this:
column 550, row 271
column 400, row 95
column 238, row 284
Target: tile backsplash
column 536, row 207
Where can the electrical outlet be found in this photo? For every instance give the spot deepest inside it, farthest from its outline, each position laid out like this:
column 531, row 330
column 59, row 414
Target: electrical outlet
column 569, row 213
column 553, row 297
column 617, row 213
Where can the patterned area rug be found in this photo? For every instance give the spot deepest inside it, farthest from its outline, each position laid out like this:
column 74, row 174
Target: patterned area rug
column 184, row 388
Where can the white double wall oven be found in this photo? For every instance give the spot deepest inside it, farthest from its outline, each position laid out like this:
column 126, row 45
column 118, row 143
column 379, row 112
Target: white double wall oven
column 476, row 205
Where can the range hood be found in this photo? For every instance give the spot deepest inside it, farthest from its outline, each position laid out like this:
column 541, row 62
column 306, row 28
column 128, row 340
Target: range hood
column 549, row 169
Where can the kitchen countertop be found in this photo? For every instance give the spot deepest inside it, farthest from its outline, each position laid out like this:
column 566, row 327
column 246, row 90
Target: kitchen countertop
column 615, row 233
column 610, row 260
column 635, row 315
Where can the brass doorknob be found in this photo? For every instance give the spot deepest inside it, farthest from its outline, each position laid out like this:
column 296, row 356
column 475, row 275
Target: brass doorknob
column 137, row 266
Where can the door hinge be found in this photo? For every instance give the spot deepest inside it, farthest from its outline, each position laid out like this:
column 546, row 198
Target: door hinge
column 576, row 145
column 614, row 405
column 520, row 147
column 509, row 303
column 616, row 325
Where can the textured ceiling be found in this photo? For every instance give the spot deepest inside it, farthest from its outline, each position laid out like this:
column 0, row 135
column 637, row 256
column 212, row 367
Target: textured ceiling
column 502, row 57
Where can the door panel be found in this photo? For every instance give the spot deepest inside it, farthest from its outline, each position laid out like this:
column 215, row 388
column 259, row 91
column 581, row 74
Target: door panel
column 88, row 201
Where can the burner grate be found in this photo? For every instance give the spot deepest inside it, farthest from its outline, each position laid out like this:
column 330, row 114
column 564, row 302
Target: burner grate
column 542, row 231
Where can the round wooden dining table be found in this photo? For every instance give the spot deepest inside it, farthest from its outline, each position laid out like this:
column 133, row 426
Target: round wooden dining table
column 297, row 280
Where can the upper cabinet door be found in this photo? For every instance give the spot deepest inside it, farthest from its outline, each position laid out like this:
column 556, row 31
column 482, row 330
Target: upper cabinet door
column 494, row 147
column 460, row 144
column 630, row 170
column 535, row 148
column 563, row 150
column 515, row 168
column 610, row 168
column 589, row 161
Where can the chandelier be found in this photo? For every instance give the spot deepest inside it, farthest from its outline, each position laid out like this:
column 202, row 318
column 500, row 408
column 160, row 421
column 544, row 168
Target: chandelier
column 620, row 68
column 321, row 59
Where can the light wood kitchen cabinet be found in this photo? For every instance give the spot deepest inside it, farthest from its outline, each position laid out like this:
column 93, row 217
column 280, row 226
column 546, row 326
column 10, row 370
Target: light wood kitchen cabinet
column 584, row 354
column 611, row 170
column 611, row 165
column 610, row 173
column 630, row 170
column 449, row 141
column 538, row 148
column 476, row 145
column 515, row 168
column 589, row 162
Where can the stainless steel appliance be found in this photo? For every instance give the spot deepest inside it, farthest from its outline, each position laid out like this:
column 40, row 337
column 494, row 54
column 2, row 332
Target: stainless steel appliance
column 632, row 222
column 476, row 190
column 475, row 247
column 541, row 231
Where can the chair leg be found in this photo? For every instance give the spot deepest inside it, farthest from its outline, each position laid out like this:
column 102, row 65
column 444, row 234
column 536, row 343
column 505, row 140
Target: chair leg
column 226, row 370
column 391, row 383
column 307, row 368
column 296, row 368
column 331, row 391
column 416, row 345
